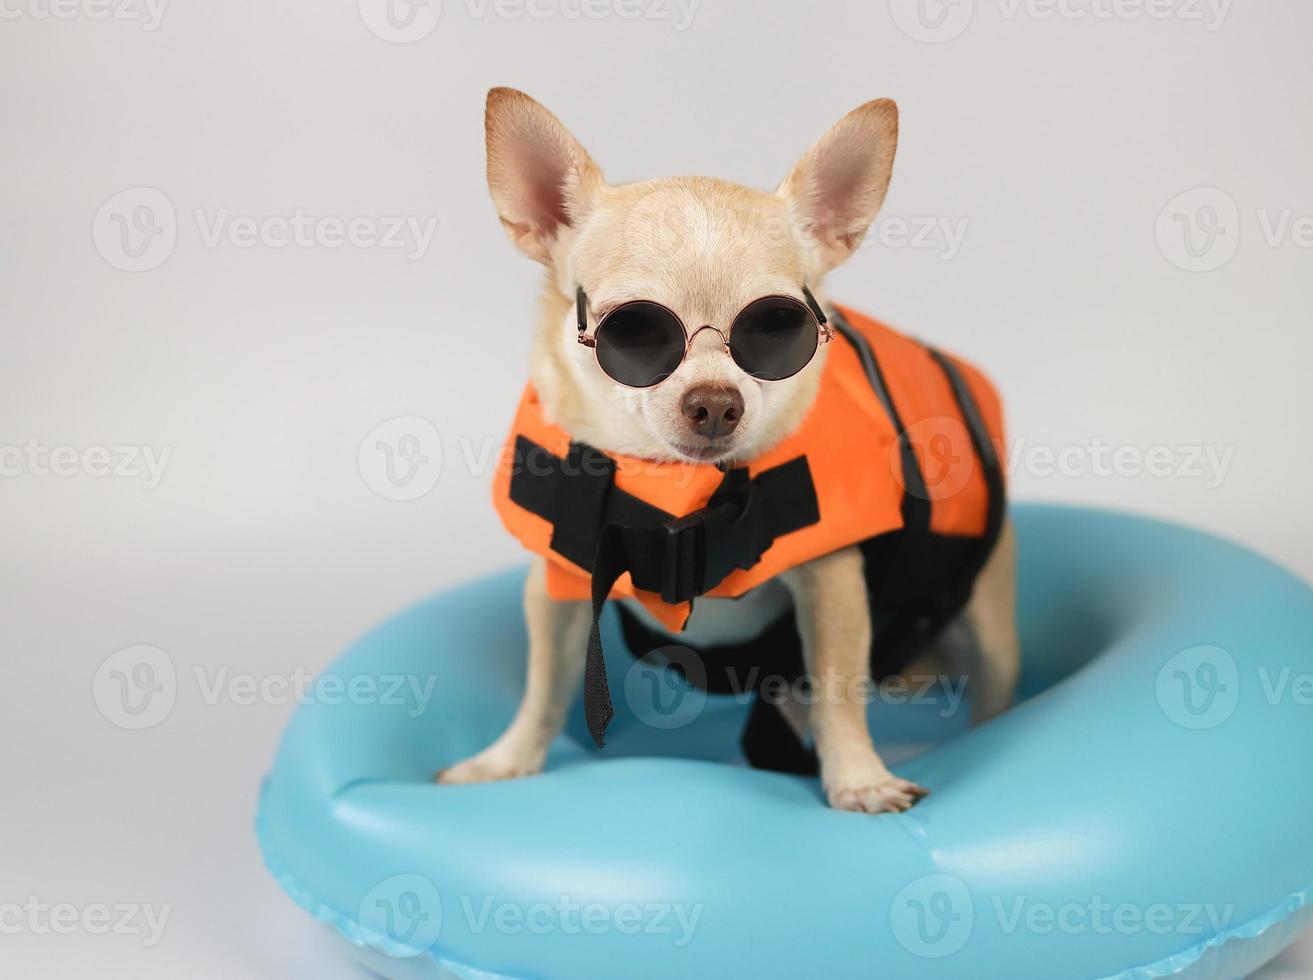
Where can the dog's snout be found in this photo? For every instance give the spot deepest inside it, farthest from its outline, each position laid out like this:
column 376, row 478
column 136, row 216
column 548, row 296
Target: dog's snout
column 712, row 412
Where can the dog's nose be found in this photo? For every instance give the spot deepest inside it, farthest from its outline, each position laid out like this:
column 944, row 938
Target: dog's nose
column 712, row 411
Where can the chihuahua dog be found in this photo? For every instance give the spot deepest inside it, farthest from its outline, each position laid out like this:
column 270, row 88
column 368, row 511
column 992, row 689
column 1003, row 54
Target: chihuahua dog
column 704, row 248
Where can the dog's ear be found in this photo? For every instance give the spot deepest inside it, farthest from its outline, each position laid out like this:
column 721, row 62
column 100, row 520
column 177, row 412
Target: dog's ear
column 838, row 186
column 542, row 181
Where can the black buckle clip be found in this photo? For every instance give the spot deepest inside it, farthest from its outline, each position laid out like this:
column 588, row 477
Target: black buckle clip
column 704, row 547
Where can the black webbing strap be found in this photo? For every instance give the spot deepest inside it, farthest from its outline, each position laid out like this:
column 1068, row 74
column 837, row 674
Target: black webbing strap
column 770, row 742
column 609, row 563
column 608, row 532
column 986, row 454
column 916, row 501
column 580, row 503
column 549, row 486
column 773, row 656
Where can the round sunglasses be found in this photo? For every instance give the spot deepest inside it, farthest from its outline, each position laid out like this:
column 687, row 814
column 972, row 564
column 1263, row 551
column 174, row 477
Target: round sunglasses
column 641, row 343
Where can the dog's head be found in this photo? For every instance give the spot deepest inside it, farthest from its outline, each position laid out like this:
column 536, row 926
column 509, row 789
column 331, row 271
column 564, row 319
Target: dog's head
column 701, row 248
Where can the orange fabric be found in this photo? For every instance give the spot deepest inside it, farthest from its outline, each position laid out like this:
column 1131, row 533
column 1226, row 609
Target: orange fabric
column 851, row 448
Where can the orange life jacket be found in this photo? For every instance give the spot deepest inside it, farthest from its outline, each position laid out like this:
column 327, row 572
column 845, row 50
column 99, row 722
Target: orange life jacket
column 898, row 454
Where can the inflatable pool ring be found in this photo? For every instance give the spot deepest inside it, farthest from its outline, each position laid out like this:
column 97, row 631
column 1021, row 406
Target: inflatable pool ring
column 1144, row 812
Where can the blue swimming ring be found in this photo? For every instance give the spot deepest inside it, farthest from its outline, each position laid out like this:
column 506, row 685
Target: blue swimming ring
column 1146, row 812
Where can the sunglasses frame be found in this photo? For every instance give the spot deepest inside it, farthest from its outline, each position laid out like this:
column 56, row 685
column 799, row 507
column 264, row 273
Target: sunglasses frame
column 824, row 332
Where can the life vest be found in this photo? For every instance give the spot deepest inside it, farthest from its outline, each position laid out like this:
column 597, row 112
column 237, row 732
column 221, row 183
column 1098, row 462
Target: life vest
column 898, row 455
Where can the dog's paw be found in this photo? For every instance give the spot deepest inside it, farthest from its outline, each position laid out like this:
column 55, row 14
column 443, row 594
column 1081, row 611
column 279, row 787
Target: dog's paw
column 887, row 795
column 487, row 767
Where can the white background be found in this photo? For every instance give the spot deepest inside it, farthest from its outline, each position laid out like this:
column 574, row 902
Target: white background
column 1058, row 141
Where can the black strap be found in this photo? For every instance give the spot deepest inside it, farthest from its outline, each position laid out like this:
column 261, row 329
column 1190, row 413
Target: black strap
column 916, row 500
column 770, row 742
column 751, row 667
column 549, row 486
column 986, row 454
column 579, row 503
column 608, row 532
column 609, row 564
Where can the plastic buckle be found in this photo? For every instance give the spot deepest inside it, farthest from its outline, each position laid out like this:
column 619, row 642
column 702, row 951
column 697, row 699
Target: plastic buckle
column 684, row 551
column 704, row 547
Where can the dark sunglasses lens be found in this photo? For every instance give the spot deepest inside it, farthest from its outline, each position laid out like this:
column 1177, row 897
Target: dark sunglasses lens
column 774, row 338
column 640, row 344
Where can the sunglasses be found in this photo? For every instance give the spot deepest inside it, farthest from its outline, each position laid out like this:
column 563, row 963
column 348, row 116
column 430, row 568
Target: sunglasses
column 641, row 343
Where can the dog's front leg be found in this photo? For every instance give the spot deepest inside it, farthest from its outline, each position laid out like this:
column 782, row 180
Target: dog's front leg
column 834, row 619
column 558, row 638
